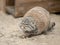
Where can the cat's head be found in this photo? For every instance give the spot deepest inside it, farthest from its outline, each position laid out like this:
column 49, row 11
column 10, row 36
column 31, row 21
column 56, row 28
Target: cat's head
column 28, row 25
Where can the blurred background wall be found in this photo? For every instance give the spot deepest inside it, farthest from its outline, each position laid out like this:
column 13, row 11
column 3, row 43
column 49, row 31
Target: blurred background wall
column 20, row 7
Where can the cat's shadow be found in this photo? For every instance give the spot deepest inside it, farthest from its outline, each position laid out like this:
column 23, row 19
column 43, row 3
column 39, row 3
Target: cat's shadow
column 43, row 33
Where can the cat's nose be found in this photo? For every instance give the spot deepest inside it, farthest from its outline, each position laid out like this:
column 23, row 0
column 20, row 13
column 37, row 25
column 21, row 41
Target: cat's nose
column 26, row 31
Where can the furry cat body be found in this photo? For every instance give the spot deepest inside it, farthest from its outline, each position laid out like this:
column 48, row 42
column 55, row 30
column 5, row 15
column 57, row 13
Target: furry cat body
column 35, row 21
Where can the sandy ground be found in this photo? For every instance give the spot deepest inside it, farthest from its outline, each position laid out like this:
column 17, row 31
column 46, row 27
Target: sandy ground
column 10, row 32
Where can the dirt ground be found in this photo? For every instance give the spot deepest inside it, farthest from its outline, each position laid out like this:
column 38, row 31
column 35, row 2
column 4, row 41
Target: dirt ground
column 10, row 32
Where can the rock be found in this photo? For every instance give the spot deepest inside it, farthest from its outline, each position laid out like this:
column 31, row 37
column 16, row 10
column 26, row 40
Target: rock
column 10, row 10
